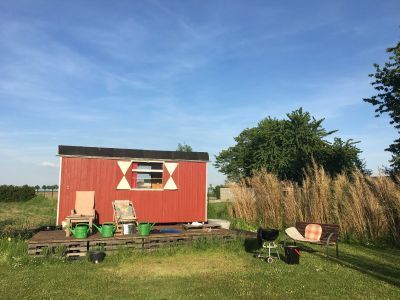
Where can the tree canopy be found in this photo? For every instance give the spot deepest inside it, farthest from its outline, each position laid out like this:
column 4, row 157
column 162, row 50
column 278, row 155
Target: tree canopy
column 286, row 147
column 184, row 147
column 387, row 99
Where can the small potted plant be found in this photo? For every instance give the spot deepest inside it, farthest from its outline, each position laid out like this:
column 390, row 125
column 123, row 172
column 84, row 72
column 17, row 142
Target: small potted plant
column 97, row 254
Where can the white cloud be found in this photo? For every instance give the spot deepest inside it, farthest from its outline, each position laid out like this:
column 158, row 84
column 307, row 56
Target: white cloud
column 48, row 164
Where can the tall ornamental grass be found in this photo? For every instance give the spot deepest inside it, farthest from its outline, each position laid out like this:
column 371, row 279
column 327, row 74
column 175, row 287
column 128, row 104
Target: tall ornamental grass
column 366, row 208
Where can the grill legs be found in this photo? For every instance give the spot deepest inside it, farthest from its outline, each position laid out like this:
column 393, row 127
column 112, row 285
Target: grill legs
column 272, row 247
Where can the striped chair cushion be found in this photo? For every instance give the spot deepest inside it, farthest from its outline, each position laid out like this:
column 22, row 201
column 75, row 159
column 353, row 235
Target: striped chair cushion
column 313, row 232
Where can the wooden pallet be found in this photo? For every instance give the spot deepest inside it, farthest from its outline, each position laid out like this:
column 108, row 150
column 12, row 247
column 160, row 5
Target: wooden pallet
column 157, row 241
column 79, row 247
column 115, row 243
column 75, row 248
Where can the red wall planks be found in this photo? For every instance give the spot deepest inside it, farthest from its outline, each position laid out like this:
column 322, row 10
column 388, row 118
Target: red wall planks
column 186, row 204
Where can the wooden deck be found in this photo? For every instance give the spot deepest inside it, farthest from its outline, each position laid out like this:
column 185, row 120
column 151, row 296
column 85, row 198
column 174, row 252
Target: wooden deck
column 45, row 241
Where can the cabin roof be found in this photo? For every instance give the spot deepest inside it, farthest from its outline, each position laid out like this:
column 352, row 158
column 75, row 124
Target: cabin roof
column 64, row 150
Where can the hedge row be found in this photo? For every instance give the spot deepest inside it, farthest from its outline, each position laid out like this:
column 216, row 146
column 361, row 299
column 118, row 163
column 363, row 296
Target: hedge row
column 11, row 193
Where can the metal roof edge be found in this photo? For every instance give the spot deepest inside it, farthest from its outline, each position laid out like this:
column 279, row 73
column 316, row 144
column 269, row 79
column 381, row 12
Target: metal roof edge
column 102, row 152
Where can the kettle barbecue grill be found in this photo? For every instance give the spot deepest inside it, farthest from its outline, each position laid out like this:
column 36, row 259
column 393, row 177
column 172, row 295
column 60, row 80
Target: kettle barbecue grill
column 266, row 240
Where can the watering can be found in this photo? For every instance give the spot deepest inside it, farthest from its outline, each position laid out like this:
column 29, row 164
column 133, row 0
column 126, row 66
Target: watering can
column 106, row 230
column 145, row 228
column 80, row 231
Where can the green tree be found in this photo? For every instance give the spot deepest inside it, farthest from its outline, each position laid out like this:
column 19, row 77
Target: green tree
column 16, row 193
column 52, row 188
column 210, row 190
column 37, row 187
column 184, row 147
column 217, row 191
column 387, row 99
column 44, row 188
column 55, row 188
column 287, row 147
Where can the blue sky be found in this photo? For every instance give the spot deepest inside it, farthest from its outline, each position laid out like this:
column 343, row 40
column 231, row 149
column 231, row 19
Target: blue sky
column 151, row 74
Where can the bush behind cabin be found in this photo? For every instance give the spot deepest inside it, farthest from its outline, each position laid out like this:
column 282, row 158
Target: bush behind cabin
column 13, row 193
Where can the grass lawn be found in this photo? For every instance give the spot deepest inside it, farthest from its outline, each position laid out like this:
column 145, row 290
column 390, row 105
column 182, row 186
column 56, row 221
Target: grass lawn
column 205, row 270
column 26, row 215
column 218, row 210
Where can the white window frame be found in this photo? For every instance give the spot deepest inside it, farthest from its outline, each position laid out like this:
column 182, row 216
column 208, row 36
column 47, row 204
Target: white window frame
column 147, row 171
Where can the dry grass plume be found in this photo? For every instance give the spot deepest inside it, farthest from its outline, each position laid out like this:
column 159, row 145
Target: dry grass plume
column 366, row 208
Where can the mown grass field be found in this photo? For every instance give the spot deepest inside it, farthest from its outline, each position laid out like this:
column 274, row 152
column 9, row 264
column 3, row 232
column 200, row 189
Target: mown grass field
column 30, row 214
column 207, row 270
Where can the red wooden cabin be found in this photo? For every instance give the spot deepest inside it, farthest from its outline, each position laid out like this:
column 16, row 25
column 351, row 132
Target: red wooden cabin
column 164, row 186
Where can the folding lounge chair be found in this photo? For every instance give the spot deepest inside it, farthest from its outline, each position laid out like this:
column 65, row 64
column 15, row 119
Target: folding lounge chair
column 312, row 234
column 124, row 212
column 84, row 210
column 320, row 234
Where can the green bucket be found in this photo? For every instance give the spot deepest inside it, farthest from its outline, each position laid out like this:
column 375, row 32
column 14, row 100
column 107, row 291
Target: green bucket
column 145, row 228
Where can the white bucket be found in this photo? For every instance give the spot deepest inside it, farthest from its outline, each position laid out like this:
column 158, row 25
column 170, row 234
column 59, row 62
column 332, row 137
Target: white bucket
column 128, row 228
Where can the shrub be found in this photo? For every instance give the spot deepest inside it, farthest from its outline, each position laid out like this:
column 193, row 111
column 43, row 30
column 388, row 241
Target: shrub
column 11, row 193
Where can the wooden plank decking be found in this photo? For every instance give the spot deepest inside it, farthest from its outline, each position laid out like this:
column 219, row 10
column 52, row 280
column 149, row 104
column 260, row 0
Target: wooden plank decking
column 51, row 240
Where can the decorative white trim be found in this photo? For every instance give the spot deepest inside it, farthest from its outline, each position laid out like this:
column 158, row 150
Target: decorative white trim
column 147, row 189
column 59, row 189
column 171, row 167
column 124, row 166
column 146, row 171
column 123, row 184
column 170, row 185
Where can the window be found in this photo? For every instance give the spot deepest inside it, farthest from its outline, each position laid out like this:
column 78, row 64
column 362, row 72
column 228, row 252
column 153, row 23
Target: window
column 147, row 175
